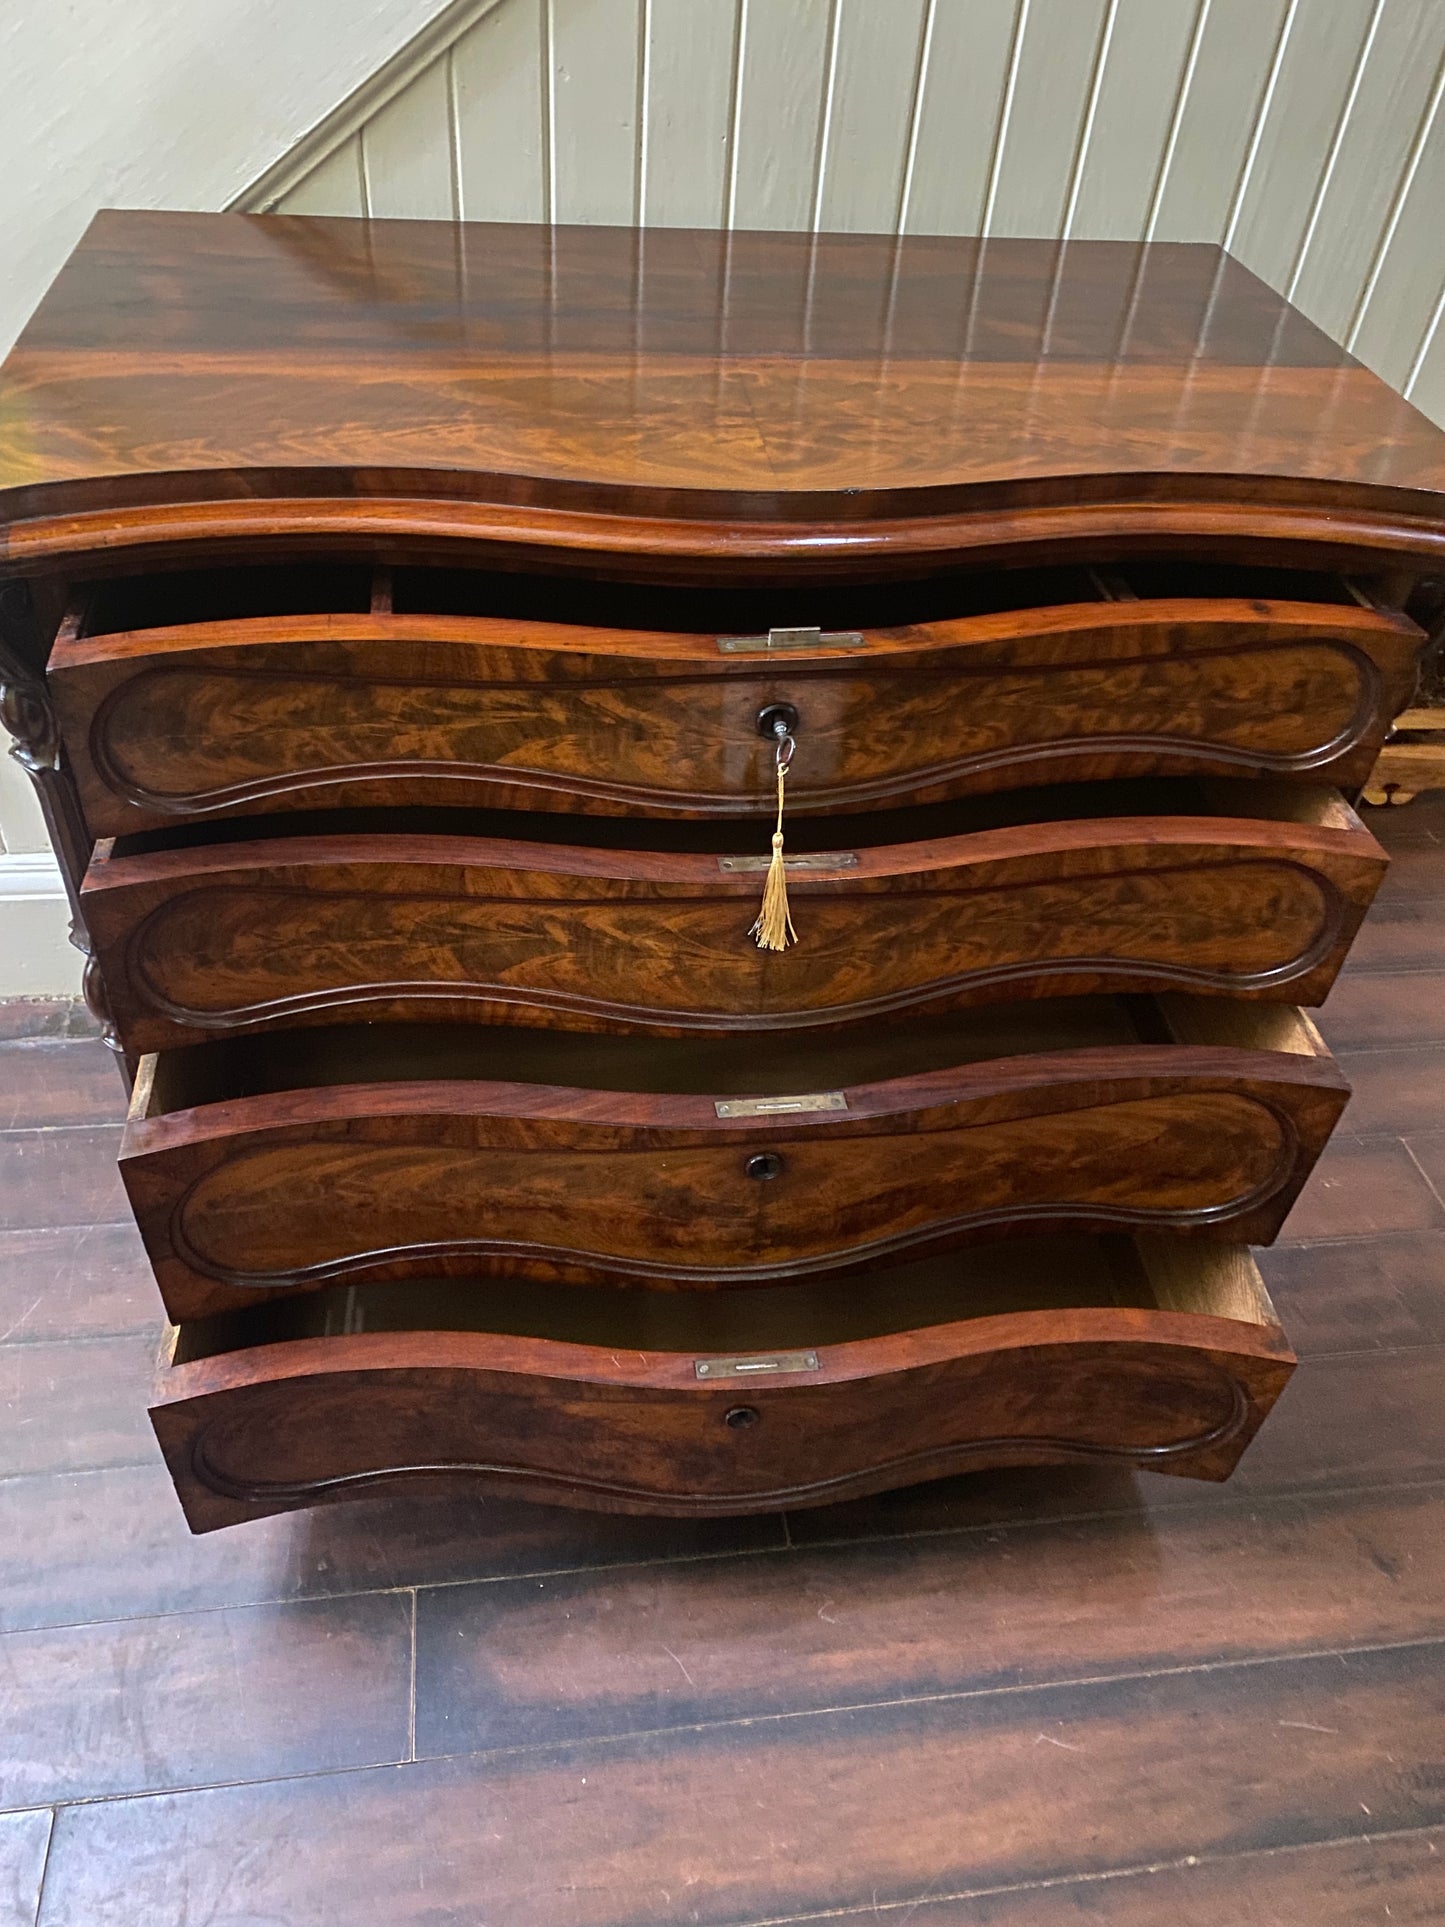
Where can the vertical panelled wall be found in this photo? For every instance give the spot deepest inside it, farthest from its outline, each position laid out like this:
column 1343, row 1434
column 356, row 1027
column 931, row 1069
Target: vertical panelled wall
column 1307, row 135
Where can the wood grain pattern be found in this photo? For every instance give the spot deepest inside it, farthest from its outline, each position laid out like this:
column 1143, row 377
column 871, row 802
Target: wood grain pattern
column 67, row 1738
column 319, row 711
column 1364, row 1187
column 1237, row 521
column 70, row 1407
column 949, row 1797
column 325, row 1419
column 24, row 1847
column 304, row 1188
column 589, row 1655
column 315, row 929
column 50, row 1177
column 95, row 1281
column 786, row 397
column 1289, row 131
column 1360, row 1294
column 49, row 1081
column 1338, row 1882
column 113, row 1544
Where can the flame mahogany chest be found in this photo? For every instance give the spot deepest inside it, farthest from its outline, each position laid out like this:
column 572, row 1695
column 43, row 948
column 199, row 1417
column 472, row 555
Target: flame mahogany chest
column 402, row 623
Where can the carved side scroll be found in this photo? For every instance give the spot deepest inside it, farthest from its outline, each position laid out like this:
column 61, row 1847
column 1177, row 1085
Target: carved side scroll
column 27, row 713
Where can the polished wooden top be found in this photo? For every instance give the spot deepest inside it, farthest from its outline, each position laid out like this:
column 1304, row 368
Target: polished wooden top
column 675, row 375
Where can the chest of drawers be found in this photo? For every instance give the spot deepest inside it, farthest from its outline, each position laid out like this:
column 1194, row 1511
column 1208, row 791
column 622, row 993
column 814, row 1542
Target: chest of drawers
column 403, row 624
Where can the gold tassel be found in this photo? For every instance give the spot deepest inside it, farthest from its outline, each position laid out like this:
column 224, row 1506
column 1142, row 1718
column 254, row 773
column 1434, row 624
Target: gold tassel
column 774, row 927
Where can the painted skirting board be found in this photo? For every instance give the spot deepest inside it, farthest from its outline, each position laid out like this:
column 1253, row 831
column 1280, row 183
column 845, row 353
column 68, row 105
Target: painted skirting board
column 37, row 958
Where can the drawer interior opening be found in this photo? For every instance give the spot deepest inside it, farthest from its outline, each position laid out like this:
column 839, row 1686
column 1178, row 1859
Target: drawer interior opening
column 331, row 1055
column 165, row 598
column 1161, row 796
column 1046, row 1274
column 317, row 588
column 832, row 605
column 1148, row 577
column 742, row 611
column 226, row 595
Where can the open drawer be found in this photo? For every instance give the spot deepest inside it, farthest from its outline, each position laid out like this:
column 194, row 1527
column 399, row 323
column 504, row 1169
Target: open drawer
column 372, row 1153
column 1251, row 890
column 1144, row 1352
column 238, row 691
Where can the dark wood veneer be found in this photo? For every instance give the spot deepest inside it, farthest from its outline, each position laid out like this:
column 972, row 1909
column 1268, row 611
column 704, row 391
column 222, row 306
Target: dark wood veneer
column 1178, row 1384
column 208, row 939
column 536, row 388
column 241, row 1197
column 318, row 711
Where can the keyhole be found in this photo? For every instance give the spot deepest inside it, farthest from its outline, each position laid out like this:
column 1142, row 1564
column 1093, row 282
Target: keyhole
column 778, row 719
column 766, row 1165
column 741, row 1417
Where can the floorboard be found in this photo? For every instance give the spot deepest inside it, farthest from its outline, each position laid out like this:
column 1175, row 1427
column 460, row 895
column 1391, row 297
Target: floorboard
column 1361, row 1187
column 112, row 1544
column 197, row 1698
column 1394, row 1089
column 72, row 1405
column 49, row 1081
column 1400, row 933
column 1341, row 1883
column 1360, row 1294
column 766, row 1818
column 1377, row 1010
column 24, row 1844
column 60, row 1176
column 76, row 1281
column 588, row 1655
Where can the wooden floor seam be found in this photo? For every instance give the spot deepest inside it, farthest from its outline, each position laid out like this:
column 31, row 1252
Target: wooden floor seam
column 501, row 1755
column 1242, row 1503
column 904, row 1908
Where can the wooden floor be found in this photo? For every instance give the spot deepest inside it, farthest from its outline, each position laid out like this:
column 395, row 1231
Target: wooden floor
column 1021, row 1699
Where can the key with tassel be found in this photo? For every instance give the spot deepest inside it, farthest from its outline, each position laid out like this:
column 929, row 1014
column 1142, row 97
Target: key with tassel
column 773, row 929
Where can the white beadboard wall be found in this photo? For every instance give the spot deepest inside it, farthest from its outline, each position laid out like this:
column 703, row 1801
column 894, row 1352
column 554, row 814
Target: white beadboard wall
column 1306, row 135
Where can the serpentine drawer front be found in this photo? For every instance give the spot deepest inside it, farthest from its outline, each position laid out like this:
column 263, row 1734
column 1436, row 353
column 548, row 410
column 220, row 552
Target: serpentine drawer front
column 1159, row 1356
column 250, row 934
column 304, row 1184
column 364, row 702
column 703, row 852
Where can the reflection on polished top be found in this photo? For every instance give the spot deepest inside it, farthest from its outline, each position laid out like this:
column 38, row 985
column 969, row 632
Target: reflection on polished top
column 188, row 357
